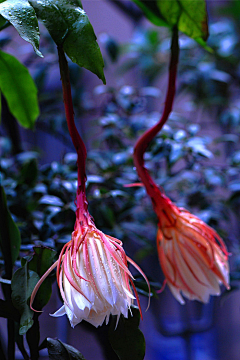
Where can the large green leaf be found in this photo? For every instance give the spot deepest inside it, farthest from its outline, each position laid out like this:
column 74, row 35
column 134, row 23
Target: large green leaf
column 19, row 90
column 57, row 350
column 23, row 283
column 10, row 239
column 127, row 340
column 40, row 262
column 22, row 16
column 69, row 26
column 189, row 16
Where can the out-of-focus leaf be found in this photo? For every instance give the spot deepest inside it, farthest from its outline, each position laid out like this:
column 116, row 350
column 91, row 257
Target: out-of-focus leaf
column 22, row 16
column 57, row 350
column 51, row 200
column 29, row 173
column 127, row 340
column 40, row 263
column 234, row 186
column 23, row 283
column 9, row 233
column 197, row 146
column 142, row 287
column 19, row 90
column 235, row 160
column 189, row 16
column 69, row 26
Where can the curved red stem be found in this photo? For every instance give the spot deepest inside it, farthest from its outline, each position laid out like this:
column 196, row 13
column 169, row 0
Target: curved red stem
column 147, row 137
column 78, row 143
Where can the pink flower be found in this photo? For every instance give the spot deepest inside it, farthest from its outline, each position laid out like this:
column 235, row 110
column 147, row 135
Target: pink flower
column 193, row 257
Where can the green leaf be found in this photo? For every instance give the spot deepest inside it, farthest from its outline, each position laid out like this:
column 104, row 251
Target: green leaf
column 57, row 350
column 23, row 283
column 193, row 19
column 22, row 16
column 9, row 233
column 190, row 16
column 19, row 90
column 39, row 263
column 127, row 340
column 69, row 26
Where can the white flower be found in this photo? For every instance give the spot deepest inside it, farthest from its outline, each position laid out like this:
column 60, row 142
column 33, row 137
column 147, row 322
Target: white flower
column 93, row 278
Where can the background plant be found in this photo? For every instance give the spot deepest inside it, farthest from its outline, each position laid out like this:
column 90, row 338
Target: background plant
column 40, row 197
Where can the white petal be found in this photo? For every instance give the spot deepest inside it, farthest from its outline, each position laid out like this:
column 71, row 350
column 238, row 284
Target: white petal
column 59, row 312
column 176, row 293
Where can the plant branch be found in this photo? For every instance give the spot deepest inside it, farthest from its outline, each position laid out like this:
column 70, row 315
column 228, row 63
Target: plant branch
column 33, row 337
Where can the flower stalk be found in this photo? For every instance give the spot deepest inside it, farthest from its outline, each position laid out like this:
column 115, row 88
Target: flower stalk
column 149, row 135
column 193, row 257
column 82, row 204
column 92, row 268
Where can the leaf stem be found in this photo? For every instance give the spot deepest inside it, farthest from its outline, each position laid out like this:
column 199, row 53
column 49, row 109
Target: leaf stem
column 148, row 136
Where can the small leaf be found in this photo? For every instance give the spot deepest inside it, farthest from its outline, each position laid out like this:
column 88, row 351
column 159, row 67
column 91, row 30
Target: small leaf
column 57, row 350
column 69, row 26
column 40, row 263
column 190, row 16
column 19, row 90
column 22, row 16
column 51, row 200
column 23, row 283
column 9, row 233
column 127, row 340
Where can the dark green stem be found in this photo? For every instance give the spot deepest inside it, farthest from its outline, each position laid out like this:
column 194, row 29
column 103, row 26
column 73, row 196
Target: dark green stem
column 8, row 266
column 11, row 339
column 33, row 337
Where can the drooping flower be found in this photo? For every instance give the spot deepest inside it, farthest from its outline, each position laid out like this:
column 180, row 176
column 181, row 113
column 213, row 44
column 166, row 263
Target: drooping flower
column 92, row 271
column 193, row 257
column 93, row 277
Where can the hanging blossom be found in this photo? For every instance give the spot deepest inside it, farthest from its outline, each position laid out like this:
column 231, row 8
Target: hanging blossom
column 93, row 277
column 193, row 257
column 92, row 268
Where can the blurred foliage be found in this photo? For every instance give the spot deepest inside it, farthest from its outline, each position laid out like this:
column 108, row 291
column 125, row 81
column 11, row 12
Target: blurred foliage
column 41, row 197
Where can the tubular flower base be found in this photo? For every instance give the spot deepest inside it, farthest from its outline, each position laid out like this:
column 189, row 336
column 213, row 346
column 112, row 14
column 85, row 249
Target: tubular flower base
column 193, row 257
column 93, row 278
